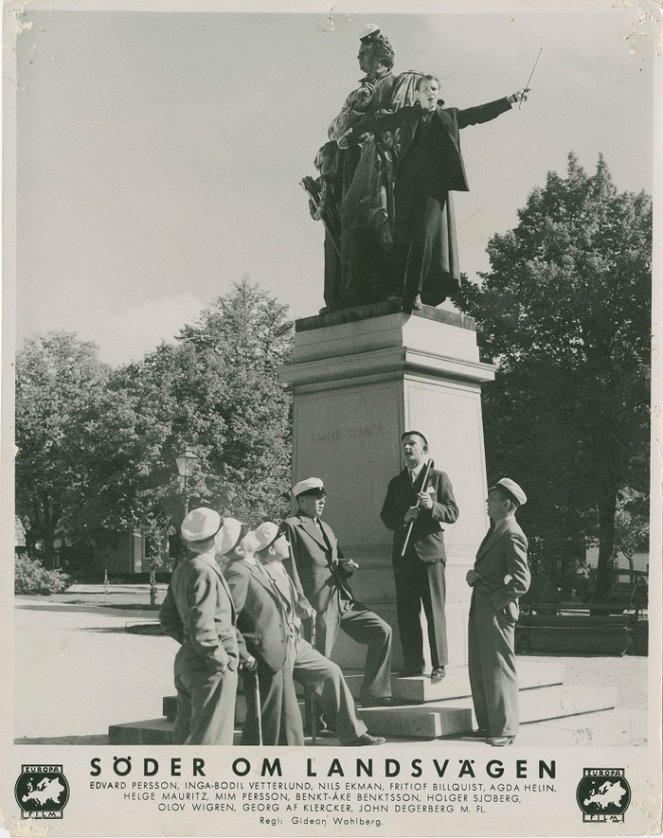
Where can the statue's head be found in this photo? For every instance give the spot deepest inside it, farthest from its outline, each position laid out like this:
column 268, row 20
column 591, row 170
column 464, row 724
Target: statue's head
column 375, row 51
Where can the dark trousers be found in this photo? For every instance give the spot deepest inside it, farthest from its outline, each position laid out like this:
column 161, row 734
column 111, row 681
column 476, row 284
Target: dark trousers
column 424, row 256
column 418, row 583
column 365, row 627
column 492, row 668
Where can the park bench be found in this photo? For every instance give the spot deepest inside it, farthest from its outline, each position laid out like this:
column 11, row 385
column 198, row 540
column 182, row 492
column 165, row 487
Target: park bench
column 614, row 627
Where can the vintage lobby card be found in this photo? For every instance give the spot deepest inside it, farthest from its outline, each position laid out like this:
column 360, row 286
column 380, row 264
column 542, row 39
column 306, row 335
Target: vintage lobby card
column 153, row 154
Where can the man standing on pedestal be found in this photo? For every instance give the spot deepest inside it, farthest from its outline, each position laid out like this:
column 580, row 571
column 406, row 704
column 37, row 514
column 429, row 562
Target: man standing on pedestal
column 499, row 577
column 419, row 573
column 322, row 573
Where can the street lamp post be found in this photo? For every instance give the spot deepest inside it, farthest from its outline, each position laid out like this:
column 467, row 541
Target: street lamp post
column 186, row 463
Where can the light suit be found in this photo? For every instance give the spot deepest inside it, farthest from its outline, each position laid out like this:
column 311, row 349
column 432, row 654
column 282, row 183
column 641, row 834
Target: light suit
column 501, row 562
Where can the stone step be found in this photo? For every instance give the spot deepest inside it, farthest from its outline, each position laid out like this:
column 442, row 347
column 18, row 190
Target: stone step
column 160, row 732
column 169, row 708
column 452, row 716
column 456, row 684
column 417, row 721
column 419, row 689
column 147, row 732
column 422, row 721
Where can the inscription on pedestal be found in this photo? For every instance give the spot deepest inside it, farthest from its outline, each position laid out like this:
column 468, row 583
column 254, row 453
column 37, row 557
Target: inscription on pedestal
column 334, row 435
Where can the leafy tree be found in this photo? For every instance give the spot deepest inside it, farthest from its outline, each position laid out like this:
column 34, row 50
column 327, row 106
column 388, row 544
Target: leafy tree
column 58, row 380
column 216, row 389
column 631, row 524
column 565, row 311
column 98, row 447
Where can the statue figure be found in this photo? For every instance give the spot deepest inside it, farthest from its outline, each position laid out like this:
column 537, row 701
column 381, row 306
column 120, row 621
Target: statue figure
column 386, row 178
column 428, row 165
column 355, row 261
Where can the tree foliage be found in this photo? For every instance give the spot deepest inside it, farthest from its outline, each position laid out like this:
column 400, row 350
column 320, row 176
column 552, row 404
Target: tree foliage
column 98, row 446
column 59, row 379
column 631, row 524
column 565, row 312
column 217, row 390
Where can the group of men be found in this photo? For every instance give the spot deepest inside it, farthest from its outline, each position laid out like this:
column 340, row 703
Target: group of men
column 234, row 605
column 386, row 175
column 231, row 606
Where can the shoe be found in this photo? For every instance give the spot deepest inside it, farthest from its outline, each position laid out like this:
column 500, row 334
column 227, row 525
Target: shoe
column 367, row 739
column 500, row 741
column 411, row 672
column 417, row 305
column 326, row 732
column 384, row 701
column 479, row 733
column 437, row 675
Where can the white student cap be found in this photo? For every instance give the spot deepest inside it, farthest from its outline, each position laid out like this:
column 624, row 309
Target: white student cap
column 200, row 524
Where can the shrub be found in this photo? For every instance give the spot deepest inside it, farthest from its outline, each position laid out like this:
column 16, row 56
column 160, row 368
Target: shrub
column 31, row 577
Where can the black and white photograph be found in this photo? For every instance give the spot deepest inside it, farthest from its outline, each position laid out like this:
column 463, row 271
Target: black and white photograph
column 331, row 452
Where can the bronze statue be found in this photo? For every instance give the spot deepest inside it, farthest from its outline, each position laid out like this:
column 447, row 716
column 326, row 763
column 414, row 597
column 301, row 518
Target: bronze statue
column 384, row 190
column 354, row 260
column 423, row 260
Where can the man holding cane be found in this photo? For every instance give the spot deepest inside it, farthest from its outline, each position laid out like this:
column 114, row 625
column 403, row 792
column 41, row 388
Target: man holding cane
column 268, row 626
column 419, row 501
column 270, row 611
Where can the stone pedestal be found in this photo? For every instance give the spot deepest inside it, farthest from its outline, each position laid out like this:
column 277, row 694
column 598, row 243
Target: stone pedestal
column 360, row 378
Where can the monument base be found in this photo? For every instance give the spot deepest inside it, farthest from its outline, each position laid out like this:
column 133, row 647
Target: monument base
column 429, row 711
column 360, row 378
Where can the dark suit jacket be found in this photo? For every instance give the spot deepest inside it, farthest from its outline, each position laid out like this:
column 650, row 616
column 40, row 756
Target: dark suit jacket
column 263, row 614
column 198, row 612
column 427, row 537
column 446, row 122
column 502, row 564
column 317, row 563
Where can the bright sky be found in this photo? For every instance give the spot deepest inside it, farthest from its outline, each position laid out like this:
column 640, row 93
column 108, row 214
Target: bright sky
column 160, row 153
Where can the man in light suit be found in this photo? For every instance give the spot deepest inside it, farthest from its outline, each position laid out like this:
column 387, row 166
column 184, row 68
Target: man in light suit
column 419, row 574
column 270, row 610
column 499, row 577
column 322, row 573
column 267, row 625
column 198, row 612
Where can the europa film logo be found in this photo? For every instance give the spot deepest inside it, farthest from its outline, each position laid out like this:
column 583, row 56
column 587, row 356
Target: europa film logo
column 603, row 795
column 42, row 791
